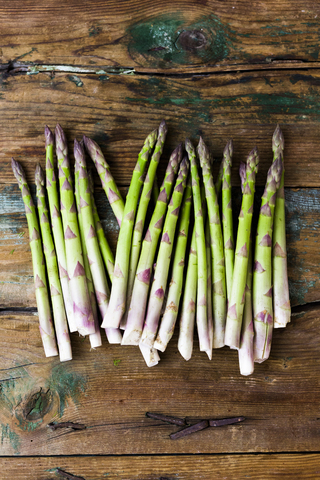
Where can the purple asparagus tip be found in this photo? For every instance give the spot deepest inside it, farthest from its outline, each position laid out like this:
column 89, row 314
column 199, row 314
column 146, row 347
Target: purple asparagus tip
column 277, row 141
column 49, row 137
column 228, row 151
column 17, row 170
column 242, row 173
column 60, row 136
column 163, row 129
column 39, row 176
column 79, row 153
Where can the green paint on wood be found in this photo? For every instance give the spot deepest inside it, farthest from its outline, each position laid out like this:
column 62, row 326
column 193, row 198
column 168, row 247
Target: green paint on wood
column 263, row 106
column 12, row 437
column 25, row 54
column 76, row 80
column 169, row 39
column 94, row 30
column 67, row 384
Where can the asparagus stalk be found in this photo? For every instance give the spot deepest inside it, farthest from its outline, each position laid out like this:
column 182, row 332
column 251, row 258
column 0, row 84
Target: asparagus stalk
column 236, row 304
column 202, row 321
column 219, row 179
column 155, row 190
column 94, row 338
column 59, row 314
column 105, row 249
column 209, row 290
column 140, row 291
column 227, row 220
column 188, row 309
column 107, row 180
column 245, row 352
column 281, row 299
column 169, row 318
column 209, row 272
column 262, row 274
column 57, row 228
column 217, row 252
column 142, row 209
column 150, row 355
column 117, row 305
column 75, row 264
column 39, row 270
column 93, row 252
column 163, row 260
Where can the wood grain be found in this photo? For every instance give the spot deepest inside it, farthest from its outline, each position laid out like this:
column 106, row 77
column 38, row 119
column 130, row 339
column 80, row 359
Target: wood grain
column 119, row 111
column 228, row 467
column 16, row 278
column 167, row 36
column 279, row 401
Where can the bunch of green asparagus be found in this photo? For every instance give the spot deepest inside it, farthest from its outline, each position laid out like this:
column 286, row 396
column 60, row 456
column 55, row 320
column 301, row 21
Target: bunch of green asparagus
column 183, row 264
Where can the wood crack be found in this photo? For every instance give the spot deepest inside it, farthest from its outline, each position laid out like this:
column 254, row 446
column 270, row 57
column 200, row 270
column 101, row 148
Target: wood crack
column 14, row 68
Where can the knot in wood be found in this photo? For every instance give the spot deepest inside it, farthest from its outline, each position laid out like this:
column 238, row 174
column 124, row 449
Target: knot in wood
column 192, row 40
column 38, row 405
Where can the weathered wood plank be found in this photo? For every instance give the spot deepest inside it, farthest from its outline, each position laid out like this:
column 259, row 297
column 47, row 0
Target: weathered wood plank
column 167, row 36
column 303, row 223
column 279, row 401
column 257, row 467
column 120, row 111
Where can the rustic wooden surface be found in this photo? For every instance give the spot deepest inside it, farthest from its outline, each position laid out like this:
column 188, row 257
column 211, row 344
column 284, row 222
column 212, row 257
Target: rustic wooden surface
column 112, row 71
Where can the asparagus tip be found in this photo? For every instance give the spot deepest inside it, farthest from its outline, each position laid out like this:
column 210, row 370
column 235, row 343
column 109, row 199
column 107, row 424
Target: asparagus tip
column 49, row 137
column 228, row 150
column 39, row 176
column 163, row 127
column 79, row 153
column 17, row 169
column 277, row 139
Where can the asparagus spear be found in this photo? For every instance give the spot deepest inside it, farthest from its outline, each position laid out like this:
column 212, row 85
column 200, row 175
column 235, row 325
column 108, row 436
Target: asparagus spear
column 140, row 291
column 75, row 265
column 163, row 260
column 94, row 338
column 217, row 253
column 105, row 249
column 143, row 206
column 155, row 190
column 188, row 309
column 209, row 290
column 262, row 274
column 59, row 314
column 281, row 299
column 39, row 270
column 227, row 221
column 57, row 229
column 245, row 352
column 117, row 303
column 202, row 321
column 219, row 179
column 150, row 355
column 236, row 304
column 94, row 256
column 107, row 180
column 169, row 318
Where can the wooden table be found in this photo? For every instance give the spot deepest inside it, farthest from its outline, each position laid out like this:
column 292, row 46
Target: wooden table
column 112, row 71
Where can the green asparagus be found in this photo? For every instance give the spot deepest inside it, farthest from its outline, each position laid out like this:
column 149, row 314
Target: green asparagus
column 59, row 314
column 38, row 263
column 281, row 299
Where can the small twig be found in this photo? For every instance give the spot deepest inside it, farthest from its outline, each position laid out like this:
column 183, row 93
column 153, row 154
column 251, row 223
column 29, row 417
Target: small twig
column 73, row 426
column 166, row 418
column 187, row 431
column 68, row 475
column 225, row 421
